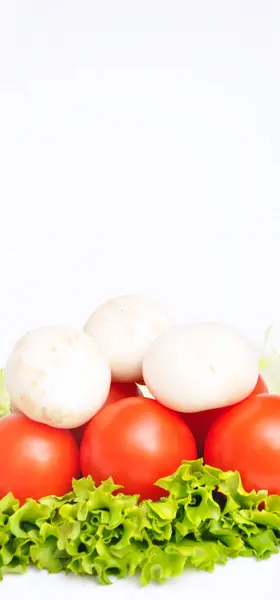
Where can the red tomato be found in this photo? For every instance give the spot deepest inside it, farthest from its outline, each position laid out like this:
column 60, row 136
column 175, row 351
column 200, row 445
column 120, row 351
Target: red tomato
column 36, row 460
column 118, row 391
column 247, row 439
column 200, row 422
column 136, row 441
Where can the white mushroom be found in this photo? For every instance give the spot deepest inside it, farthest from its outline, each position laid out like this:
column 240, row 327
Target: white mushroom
column 201, row 366
column 124, row 327
column 56, row 375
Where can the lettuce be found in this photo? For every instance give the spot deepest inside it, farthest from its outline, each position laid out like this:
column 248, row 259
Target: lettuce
column 205, row 519
column 4, row 397
column 269, row 364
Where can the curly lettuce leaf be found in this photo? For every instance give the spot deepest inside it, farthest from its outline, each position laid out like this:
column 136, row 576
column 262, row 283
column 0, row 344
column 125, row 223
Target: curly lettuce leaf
column 206, row 519
column 4, row 397
column 269, row 364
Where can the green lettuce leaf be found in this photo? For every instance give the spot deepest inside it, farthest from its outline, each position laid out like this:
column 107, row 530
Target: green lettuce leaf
column 206, row 519
column 4, row 397
column 269, row 364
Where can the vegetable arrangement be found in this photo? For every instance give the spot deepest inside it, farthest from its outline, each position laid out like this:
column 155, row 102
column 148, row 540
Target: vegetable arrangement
column 98, row 479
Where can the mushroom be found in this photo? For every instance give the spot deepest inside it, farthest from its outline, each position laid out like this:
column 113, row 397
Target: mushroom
column 123, row 328
column 202, row 366
column 56, row 375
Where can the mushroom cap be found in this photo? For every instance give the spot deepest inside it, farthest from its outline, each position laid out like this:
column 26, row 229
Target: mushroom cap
column 56, row 375
column 123, row 328
column 201, row 366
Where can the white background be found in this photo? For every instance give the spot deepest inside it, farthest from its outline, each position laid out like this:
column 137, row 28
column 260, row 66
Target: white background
column 140, row 152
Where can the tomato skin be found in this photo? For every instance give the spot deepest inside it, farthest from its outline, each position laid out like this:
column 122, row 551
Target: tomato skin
column 37, row 460
column 247, row 439
column 261, row 387
column 118, row 391
column 136, row 441
column 200, row 422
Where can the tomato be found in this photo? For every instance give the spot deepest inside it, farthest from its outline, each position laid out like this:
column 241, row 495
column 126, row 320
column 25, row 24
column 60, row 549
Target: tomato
column 118, row 391
column 136, row 441
column 247, row 438
column 200, row 422
column 36, row 460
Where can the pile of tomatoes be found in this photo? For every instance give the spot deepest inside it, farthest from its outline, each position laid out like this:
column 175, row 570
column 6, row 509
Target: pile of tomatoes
column 136, row 440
